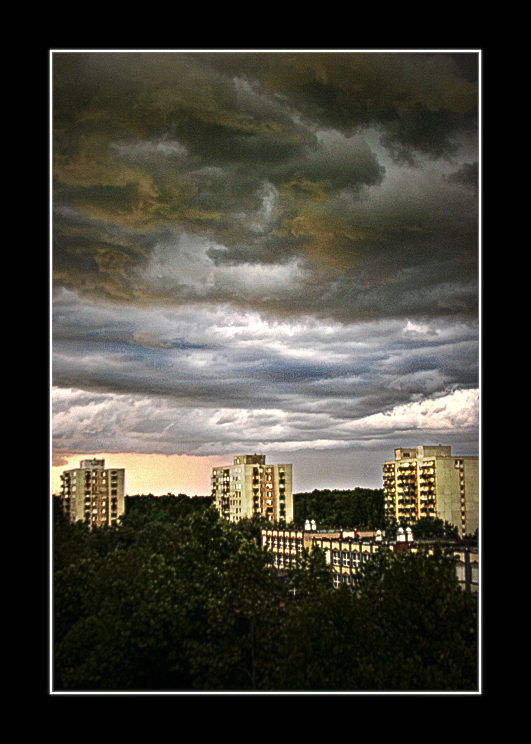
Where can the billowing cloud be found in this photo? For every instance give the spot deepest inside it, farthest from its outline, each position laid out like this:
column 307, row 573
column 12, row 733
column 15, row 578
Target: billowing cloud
column 155, row 145
column 279, row 244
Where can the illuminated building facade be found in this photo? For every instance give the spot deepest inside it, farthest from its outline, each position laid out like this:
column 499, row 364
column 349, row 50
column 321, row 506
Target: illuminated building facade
column 251, row 487
column 286, row 545
column 347, row 551
column 93, row 493
column 430, row 482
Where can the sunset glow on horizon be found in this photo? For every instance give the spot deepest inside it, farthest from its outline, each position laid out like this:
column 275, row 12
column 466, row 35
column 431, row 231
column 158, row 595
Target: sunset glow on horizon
column 155, row 474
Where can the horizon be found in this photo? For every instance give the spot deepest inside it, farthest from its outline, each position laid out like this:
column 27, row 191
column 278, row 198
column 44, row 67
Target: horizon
column 158, row 480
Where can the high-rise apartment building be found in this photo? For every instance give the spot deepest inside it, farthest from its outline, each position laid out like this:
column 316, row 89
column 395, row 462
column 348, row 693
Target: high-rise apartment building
column 251, row 487
column 93, row 493
column 429, row 481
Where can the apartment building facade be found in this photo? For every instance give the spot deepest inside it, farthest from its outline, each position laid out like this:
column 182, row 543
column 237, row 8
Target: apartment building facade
column 429, row 481
column 347, row 551
column 93, row 493
column 251, row 487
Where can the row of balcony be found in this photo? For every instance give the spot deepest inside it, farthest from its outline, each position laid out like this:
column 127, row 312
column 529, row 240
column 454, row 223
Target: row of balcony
column 67, row 478
column 428, row 475
column 88, row 496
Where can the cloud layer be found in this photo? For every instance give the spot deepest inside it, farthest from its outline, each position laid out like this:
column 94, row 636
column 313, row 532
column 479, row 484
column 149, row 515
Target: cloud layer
column 266, row 250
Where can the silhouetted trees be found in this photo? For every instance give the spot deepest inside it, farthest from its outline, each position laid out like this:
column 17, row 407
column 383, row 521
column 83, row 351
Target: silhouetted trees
column 361, row 508
column 175, row 598
column 434, row 527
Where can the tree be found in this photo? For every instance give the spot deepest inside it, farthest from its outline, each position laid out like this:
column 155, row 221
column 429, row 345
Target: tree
column 250, row 527
column 311, row 577
column 420, row 628
column 128, row 631
column 434, row 527
column 361, row 508
column 178, row 599
column 304, row 642
column 237, row 649
column 183, row 604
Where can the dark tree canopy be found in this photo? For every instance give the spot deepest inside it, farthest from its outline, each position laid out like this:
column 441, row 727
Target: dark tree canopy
column 175, row 598
column 360, row 508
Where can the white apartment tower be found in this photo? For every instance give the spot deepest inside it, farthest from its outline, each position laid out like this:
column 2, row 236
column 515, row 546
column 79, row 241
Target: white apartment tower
column 429, row 481
column 93, row 493
column 251, row 487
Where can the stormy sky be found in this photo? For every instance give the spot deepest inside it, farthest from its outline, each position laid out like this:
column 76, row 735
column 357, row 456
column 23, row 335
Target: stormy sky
column 272, row 252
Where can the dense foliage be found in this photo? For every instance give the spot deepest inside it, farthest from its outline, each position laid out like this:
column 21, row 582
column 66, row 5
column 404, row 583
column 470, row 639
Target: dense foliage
column 434, row 527
column 360, row 508
column 177, row 599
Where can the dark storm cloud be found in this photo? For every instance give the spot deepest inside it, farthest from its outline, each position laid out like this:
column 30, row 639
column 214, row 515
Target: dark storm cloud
column 468, row 175
column 349, row 90
column 266, row 157
column 263, row 249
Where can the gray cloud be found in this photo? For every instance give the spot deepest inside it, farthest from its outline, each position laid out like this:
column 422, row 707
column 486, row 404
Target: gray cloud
column 290, row 239
column 233, row 359
column 235, row 150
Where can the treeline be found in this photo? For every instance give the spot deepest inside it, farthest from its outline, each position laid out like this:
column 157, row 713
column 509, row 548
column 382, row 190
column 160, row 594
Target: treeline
column 176, row 598
column 361, row 508
column 169, row 506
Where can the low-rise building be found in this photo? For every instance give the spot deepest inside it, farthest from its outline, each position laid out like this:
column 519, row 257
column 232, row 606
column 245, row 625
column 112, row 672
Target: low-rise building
column 346, row 551
column 287, row 544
